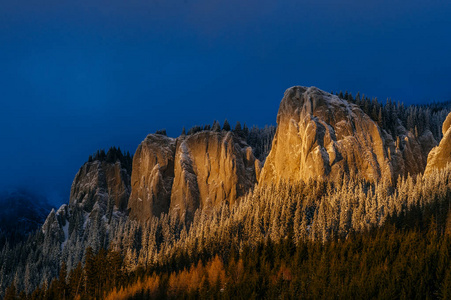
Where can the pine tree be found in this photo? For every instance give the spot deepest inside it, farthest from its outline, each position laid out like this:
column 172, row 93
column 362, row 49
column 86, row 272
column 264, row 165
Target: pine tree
column 90, row 270
column 76, row 280
column 161, row 131
column 237, row 128
column 62, row 286
column 226, row 125
column 216, row 126
column 114, row 266
column 11, row 293
column 245, row 130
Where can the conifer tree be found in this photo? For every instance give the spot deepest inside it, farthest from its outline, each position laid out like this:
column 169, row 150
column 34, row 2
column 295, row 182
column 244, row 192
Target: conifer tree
column 226, row 125
column 11, row 293
column 62, row 287
column 90, row 271
column 216, row 126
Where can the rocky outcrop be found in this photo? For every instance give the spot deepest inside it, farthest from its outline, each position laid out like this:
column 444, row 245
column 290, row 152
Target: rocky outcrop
column 152, row 177
column 440, row 156
column 101, row 184
column 56, row 224
column 180, row 175
column 321, row 136
column 99, row 194
column 408, row 154
column 211, row 167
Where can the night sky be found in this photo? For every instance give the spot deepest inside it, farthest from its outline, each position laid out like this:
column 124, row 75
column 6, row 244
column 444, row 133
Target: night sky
column 77, row 76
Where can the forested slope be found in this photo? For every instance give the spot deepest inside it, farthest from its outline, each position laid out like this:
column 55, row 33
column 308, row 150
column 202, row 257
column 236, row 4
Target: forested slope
column 350, row 237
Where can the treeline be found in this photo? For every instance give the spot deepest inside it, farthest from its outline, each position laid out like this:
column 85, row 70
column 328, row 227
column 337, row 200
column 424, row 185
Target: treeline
column 114, row 154
column 260, row 139
column 241, row 131
column 389, row 115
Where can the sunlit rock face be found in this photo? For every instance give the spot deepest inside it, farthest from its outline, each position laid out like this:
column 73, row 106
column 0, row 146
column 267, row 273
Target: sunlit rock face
column 440, row 156
column 178, row 176
column 152, row 177
column 210, row 168
column 102, row 184
column 321, row 136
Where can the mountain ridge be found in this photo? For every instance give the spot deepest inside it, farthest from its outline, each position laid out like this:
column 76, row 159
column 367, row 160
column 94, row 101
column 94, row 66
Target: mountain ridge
column 205, row 192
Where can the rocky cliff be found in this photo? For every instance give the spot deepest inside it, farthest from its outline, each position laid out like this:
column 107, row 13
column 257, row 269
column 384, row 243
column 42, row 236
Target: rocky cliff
column 99, row 196
column 152, row 177
column 322, row 136
column 101, row 184
column 180, row 175
column 211, row 167
column 440, row 156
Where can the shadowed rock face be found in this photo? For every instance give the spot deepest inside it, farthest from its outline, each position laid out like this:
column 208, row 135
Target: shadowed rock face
column 440, row 156
column 322, row 136
column 180, row 175
column 101, row 184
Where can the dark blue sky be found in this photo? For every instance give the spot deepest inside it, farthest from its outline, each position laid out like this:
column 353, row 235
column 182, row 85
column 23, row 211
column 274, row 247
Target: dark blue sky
column 76, row 77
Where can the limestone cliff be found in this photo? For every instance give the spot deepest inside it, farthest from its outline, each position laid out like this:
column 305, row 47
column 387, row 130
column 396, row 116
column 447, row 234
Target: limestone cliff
column 211, row 167
column 152, row 177
column 322, row 136
column 180, row 175
column 103, row 184
column 440, row 156
column 99, row 193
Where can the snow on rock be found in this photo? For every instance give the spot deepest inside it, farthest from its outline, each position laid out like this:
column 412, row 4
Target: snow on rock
column 199, row 170
column 107, row 184
column 321, row 136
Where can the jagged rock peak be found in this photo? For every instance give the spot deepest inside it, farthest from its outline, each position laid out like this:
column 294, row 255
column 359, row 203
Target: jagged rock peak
column 180, row 175
column 101, row 184
column 322, row 136
column 440, row 156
